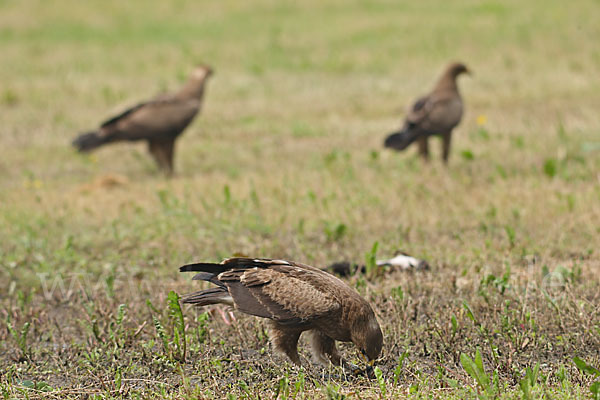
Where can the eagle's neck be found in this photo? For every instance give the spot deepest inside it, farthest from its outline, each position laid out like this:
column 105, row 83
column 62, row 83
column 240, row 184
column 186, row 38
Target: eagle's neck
column 193, row 89
column 447, row 82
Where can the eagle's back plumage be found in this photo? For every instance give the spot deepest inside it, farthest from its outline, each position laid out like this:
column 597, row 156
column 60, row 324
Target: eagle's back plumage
column 275, row 289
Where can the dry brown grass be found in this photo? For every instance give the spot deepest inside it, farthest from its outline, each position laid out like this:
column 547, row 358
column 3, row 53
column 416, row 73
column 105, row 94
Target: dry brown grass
column 286, row 152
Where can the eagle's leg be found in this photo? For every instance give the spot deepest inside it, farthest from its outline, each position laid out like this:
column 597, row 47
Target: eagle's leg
column 285, row 340
column 162, row 151
column 324, row 349
column 423, row 147
column 446, row 138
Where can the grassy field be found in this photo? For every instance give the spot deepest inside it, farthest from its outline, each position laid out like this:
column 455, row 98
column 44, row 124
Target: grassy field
column 286, row 161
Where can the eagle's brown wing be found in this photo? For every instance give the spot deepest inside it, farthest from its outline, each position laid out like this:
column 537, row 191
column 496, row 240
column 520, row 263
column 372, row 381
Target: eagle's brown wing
column 437, row 113
column 161, row 118
column 113, row 120
column 285, row 292
column 418, row 111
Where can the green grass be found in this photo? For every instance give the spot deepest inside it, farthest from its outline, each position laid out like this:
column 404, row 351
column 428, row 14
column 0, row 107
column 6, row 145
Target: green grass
column 286, row 161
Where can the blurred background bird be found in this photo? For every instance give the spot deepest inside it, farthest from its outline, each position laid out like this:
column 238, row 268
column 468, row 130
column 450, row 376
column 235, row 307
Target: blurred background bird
column 437, row 113
column 159, row 121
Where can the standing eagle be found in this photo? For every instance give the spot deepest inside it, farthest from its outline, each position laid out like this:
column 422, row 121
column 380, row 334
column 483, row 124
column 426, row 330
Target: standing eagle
column 158, row 121
column 295, row 298
column 438, row 113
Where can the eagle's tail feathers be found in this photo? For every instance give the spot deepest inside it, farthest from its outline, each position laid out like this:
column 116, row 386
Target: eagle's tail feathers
column 401, row 140
column 88, row 141
column 209, row 296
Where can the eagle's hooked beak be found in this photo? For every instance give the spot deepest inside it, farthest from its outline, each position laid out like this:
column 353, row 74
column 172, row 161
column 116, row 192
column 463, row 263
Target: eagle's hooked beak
column 370, row 363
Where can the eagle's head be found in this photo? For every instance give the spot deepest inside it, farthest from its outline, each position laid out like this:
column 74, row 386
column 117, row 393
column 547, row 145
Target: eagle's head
column 201, row 72
column 367, row 336
column 457, row 68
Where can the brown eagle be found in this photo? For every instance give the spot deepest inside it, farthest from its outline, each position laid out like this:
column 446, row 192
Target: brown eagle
column 158, row 121
column 296, row 298
column 438, row 113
